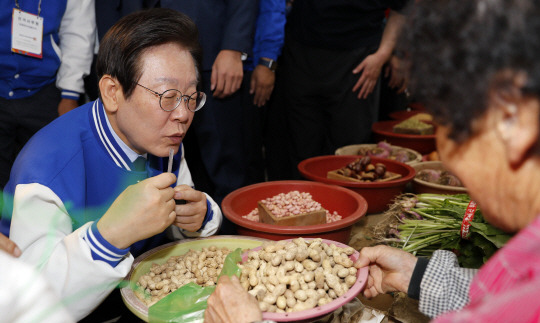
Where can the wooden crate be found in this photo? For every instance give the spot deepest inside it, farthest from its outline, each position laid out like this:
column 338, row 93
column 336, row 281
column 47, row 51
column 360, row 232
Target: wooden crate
column 310, row 218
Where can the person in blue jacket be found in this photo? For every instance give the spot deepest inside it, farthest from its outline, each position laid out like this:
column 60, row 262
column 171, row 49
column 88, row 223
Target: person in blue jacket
column 218, row 139
column 92, row 190
column 260, row 79
column 46, row 50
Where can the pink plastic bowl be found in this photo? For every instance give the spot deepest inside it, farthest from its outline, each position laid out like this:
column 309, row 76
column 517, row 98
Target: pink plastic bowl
column 319, row 311
column 348, row 204
column 383, row 130
column 377, row 194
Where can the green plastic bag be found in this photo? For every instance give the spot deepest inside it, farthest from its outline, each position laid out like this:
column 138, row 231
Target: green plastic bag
column 188, row 303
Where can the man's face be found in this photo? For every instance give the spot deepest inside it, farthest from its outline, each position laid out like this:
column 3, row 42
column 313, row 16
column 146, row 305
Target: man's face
column 141, row 122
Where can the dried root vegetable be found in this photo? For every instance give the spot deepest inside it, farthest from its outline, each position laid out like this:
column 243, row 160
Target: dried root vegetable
column 198, row 266
column 291, row 203
column 290, row 276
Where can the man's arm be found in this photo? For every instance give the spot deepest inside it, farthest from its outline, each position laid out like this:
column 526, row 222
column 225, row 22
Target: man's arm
column 42, row 228
column 227, row 70
column 269, row 38
column 77, row 38
column 370, row 67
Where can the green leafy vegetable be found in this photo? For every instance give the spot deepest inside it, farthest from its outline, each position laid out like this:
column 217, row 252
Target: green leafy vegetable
column 423, row 223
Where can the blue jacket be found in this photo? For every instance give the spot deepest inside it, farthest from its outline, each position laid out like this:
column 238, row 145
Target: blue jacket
column 77, row 158
column 269, row 32
column 62, row 182
column 68, row 44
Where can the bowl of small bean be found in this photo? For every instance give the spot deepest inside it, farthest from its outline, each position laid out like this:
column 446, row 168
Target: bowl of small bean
column 343, row 208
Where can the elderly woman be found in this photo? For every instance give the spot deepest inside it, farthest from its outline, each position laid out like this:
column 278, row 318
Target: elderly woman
column 476, row 66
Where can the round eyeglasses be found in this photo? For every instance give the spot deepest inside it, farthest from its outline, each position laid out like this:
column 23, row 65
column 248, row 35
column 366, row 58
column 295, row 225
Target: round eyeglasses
column 171, row 99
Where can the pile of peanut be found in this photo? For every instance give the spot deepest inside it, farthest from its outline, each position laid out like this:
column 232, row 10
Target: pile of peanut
column 291, row 203
column 297, row 275
column 198, row 266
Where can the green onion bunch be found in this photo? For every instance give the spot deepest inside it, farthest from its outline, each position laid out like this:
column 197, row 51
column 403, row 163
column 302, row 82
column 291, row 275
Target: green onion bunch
column 424, row 223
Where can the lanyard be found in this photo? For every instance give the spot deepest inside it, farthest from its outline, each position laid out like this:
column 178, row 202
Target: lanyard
column 39, row 6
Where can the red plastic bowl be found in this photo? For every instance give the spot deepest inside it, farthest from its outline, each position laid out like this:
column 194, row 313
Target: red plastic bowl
column 404, row 114
column 377, row 194
column 383, row 130
column 348, row 204
column 416, row 106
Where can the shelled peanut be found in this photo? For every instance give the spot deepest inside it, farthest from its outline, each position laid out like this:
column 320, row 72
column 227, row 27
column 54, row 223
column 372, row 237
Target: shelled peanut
column 198, row 266
column 290, row 276
column 292, row 203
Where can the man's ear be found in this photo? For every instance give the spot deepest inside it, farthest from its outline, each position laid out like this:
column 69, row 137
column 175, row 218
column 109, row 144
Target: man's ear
column 517, row 124
column 110, row 91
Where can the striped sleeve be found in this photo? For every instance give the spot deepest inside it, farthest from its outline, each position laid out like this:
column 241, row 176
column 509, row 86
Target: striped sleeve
column 66, row 94
column 445, row 285
column 101, row 249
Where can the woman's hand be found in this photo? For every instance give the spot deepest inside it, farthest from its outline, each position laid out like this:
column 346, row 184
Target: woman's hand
column 230, row 303
column 390, row 269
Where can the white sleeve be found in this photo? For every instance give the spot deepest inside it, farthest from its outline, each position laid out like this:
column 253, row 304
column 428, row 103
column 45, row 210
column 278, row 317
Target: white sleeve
column 26, row 296
column 77, row 39
column 42, row 228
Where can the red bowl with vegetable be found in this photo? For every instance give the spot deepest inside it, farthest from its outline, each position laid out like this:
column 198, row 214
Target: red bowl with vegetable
column 383, row 130
column 377, row 194
column 349, row 205
column 432, row 177
column 383, row 150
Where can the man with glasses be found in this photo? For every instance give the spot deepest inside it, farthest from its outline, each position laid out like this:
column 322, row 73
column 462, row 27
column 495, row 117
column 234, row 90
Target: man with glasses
column 93, row 190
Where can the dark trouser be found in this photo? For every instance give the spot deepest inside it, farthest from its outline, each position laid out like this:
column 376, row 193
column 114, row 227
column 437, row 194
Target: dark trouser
column 223, row 144
column 20, row 119
column 314, row 110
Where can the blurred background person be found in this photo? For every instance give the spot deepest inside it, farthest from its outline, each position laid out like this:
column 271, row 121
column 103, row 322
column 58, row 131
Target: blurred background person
column 43, row 78
column 260, row 72
column 327, row 86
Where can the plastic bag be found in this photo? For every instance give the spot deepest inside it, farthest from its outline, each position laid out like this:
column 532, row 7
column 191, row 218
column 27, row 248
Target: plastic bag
column 188, row 303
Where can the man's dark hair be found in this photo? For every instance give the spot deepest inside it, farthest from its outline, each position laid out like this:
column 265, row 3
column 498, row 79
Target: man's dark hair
column 458, row 50
column 122, row 46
